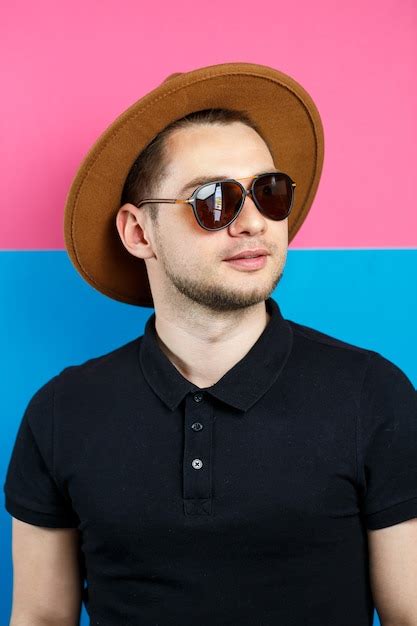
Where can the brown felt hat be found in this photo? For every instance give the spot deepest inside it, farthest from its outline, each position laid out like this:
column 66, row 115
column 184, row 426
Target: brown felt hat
column 283, row 111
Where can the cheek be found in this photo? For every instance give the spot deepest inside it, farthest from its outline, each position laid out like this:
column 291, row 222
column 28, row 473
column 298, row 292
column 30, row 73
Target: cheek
column 179, row 248
column 276, row 237
column 183, row 216
column 283, row 231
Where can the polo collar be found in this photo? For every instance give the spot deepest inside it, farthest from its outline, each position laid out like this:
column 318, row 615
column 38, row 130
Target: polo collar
column 242, row 386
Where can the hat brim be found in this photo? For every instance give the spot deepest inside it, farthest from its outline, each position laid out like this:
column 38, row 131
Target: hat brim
column 284, row 112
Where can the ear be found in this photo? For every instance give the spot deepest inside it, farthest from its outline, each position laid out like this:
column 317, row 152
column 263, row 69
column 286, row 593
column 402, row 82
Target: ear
column 133, row 226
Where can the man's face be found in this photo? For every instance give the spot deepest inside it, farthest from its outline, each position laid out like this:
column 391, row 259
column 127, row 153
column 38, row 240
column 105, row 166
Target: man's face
column 190, row 260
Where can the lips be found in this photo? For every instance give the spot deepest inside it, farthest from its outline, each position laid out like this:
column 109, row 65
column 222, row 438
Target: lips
column 253, row 263
column 249, row 253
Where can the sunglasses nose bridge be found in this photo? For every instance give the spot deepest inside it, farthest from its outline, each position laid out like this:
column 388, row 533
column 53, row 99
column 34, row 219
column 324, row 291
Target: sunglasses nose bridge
column 245, row 193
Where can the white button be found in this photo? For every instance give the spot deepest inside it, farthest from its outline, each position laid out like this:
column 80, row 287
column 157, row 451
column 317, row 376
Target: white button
column 197, row 464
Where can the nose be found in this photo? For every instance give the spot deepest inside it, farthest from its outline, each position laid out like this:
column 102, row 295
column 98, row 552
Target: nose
column 249, row 219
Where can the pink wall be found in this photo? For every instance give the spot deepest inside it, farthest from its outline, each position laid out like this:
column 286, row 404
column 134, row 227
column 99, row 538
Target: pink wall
column 70, row 69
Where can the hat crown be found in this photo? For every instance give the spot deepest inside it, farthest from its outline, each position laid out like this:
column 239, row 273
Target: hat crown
column 172, row 76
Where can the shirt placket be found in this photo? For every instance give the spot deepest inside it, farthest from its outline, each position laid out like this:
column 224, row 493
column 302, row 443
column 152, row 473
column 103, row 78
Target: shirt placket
column 197, row 465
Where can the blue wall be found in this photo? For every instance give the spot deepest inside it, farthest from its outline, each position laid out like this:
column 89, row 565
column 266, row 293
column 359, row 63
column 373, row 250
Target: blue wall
column 50, row 318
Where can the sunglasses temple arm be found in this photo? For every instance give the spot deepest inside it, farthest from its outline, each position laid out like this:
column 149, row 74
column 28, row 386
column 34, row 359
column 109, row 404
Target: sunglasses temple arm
column 159, row 200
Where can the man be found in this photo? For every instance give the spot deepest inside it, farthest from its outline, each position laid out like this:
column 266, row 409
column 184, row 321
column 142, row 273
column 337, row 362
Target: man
column 228, row 466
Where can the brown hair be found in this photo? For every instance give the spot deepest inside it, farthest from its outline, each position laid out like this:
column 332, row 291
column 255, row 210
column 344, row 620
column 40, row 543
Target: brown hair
column 150, row 166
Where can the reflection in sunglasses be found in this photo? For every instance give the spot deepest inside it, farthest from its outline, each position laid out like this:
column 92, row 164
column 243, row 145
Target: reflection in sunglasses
column 207, row 190
column 218, row 203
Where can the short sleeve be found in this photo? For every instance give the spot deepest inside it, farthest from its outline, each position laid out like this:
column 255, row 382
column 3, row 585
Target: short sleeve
column 31, row 490
column 387, row 444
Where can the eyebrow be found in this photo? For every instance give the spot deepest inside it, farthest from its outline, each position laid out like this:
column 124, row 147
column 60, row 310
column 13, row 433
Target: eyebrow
column 202, row 180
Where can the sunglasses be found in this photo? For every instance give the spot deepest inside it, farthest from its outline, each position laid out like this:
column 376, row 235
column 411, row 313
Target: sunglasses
column 218, row 203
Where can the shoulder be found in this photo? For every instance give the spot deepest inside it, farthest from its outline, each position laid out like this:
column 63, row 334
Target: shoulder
column 100, row 370
column 96, row 377
column 314, row 346
column 368, row 367
column 312, row 338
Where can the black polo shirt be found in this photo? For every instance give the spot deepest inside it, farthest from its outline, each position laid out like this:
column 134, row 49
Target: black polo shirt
column 244, row 503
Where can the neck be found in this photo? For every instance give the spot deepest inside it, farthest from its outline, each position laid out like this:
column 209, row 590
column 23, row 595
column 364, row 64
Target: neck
column 204, row 348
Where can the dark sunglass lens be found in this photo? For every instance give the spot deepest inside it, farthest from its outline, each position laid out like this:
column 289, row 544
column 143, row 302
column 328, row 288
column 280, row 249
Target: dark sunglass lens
column 217, row 204
column 274, row 193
